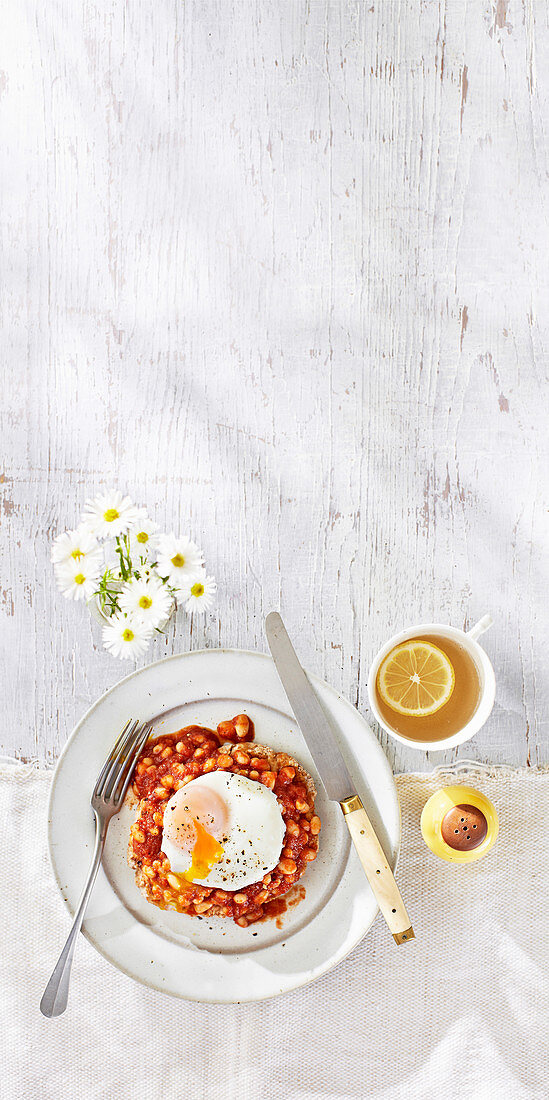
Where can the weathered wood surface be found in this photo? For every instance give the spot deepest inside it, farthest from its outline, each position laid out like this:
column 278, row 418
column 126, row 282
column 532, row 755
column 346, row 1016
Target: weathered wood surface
column 280, row 271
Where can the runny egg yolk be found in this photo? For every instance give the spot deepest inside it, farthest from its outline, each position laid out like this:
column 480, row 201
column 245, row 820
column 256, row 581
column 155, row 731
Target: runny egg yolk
column 205, row 853
column 194, row 824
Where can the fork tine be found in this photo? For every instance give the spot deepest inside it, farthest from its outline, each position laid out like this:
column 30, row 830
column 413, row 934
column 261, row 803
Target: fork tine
column 112, row 762
column 127, row 771
column 125, row 752
column 111, row 756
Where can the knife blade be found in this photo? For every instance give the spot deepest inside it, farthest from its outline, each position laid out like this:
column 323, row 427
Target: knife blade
column 335, row 777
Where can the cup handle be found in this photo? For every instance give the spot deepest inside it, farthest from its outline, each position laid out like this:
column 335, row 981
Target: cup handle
column 480, row 627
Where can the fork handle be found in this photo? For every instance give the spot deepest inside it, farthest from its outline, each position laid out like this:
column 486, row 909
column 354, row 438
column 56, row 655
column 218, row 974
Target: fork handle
column 56, row 994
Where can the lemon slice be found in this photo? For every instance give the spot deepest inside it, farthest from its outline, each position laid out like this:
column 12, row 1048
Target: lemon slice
column 416, row 678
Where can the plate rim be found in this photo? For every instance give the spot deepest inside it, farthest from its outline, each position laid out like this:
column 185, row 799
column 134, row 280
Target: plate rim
column 299, row 984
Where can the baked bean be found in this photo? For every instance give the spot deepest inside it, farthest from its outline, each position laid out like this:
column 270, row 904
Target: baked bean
column 241, row 726
column 268, row 779
column 308, row 854
column 173, row 881
column 315, row 825
column 158, row 819
column 166, row 752
column 202, row 906
column 198, row 753
column 138, row 835
column 222, row 895
column 224, row 761
column 197, row 738
column 167, row 781
column 161, row 792
column 240, row 899
column 266, row 879
column 209, row 765
column 260, row 763
column 254, row 774
column 180, row 747
column 146, row 761
column 286, row 775
column 261, row 897
column 242, row 922
column 302, row 807
column 226, row 730
column 241, row 757
column 292, row 828
column 157, row 748
column 287, row 866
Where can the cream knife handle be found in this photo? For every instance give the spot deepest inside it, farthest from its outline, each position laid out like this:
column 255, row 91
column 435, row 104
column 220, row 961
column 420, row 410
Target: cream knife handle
column 378, row 872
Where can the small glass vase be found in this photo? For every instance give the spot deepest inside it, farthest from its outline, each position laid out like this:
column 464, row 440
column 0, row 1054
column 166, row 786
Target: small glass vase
column 101, row 617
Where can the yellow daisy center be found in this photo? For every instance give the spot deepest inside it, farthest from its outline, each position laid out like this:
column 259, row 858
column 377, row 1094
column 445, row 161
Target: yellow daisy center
column 128, row 635
column 77, row 554
column 178, row 561
column 145, row 602
column 142, row 536
column 197, row 589
column 110, row 515
column 79, row 579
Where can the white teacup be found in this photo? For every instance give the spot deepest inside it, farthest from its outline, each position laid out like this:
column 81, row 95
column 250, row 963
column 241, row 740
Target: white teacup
column 484, row 668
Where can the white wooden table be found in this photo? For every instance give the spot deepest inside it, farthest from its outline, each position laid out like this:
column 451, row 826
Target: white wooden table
column 280, row 271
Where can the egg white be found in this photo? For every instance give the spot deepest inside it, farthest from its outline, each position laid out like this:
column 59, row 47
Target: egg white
column 254, row 834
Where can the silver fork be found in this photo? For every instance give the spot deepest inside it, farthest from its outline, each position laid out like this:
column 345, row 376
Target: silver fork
column 106, row 800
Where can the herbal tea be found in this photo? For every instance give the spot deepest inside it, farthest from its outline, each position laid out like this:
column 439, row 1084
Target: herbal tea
column 427, row 688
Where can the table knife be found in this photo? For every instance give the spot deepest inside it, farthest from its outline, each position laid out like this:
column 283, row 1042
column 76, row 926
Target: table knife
column 333, row 772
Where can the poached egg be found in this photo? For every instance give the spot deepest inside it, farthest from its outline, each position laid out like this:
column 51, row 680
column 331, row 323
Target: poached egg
column 223, row 830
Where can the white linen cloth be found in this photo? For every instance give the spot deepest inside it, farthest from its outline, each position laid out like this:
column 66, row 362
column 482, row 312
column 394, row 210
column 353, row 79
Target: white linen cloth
column 462, row 1011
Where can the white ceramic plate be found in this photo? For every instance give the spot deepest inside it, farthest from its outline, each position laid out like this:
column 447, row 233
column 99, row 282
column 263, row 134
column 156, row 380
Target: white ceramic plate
column 213, row 959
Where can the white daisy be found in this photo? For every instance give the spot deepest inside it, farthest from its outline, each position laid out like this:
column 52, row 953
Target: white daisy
column 178, row 560
column 126, row 637
column 148, row 600
column 143, row 540
column 109, row 515
column 76, row 545
column 200, row 592
column 78, row 577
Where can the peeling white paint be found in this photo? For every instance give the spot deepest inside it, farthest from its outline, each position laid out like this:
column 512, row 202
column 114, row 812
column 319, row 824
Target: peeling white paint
column 280, row 272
